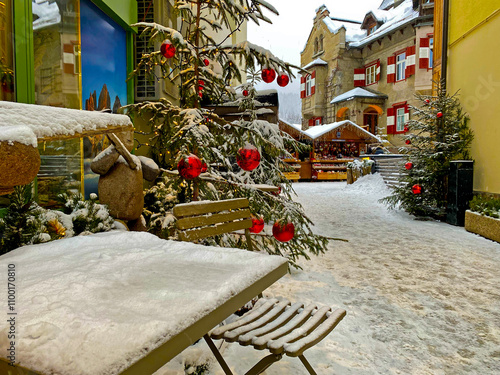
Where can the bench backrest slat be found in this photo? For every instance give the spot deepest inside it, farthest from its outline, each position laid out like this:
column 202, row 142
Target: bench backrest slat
column 197, row 220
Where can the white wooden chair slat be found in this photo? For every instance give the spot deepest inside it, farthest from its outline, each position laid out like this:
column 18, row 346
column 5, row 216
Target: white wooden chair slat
column 298, row 347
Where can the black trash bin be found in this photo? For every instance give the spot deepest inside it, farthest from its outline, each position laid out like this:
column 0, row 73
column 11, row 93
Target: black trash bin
column 460, row 189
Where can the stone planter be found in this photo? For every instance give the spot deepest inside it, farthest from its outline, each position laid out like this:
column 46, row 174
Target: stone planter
column 485, row 226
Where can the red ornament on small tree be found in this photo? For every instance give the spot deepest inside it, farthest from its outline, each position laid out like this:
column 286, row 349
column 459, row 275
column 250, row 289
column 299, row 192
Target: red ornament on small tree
column 206, row 62
column 248, row 158
column 167, row 49
column 416, row 189
column 268, row 75
column 409, row 165
column 283, row 80
column 427, row 101
column 190, row 167
column 408, row 142
column 204, row 167
column 439, row 114
column 406, row 129
column 245, row 92
column 283, row 233
column 257, row 225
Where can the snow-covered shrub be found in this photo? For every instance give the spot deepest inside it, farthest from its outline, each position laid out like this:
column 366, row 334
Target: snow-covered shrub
column 487, row 206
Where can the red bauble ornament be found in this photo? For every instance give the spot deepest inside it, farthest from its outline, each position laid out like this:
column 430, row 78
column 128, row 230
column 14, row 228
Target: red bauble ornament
column 204, row 167
column 268, row 75
column 439, row 114
column 408, row 142
column 206, row 62
column 190, row 167
column 257, row 225
column 416, row 189
column 277, row 192
column 283, row 233
column 283, row 80
column 406, row 129
column 167, row 49
column 409, row 165
column 245, row 92
column 248, row 158
column 427, row 101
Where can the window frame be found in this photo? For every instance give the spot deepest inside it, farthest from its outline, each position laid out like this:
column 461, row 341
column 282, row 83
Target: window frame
column 397, row 118
column 431, row 52
column 308, row 85
column 371, row 72
column 400, row 64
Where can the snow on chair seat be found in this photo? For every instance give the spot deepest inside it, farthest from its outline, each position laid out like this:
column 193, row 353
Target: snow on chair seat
column 280, row 327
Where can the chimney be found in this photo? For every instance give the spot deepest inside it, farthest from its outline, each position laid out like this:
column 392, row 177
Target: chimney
column 321, row 13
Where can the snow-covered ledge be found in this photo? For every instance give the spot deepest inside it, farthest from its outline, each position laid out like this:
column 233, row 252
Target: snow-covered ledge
column 27, row 123
column 22, row 126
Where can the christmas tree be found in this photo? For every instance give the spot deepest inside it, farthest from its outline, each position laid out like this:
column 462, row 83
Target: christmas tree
column 437, row 134
column 206, row 157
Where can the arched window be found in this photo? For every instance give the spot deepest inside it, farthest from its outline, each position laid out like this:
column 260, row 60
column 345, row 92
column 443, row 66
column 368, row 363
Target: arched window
column 321, row 43
column 316, row 45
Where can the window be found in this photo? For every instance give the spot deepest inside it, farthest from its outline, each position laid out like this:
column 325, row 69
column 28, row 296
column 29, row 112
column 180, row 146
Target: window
column 317, row 121
column 371, row 74
column 400, row 66
column 431, row 51
column 400, row 119
column 321, row 43
column 308, row 85
column 372, row 29
column 316, row 46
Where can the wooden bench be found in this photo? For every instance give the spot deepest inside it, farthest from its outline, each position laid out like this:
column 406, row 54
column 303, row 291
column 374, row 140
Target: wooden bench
column 276, row 325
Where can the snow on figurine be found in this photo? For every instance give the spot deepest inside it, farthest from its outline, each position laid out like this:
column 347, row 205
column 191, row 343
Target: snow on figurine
column 121, row 181
column 248, row 157
column 283, row 233
column 190, row 167
column 257, row 225
column 167, row 49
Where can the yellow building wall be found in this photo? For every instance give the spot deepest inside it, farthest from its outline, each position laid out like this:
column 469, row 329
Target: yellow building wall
column 473, row 70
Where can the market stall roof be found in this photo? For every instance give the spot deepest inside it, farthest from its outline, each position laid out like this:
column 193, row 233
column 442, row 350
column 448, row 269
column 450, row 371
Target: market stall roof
column 29, row 123
column 320, row 130
column 358, row 92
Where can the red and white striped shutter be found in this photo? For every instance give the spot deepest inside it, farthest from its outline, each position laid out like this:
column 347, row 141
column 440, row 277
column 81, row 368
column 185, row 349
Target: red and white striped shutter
column 68, row 58
column 377, row 71
column 410, row 61
column 391, row 69
column 391, row 121
column 302, row 87
column 313, row 82
column 424, row 52
column 359, row 77
column 407, row 114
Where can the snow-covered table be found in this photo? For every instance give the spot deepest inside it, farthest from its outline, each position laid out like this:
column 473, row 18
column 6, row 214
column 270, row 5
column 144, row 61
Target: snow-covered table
column 121, row 302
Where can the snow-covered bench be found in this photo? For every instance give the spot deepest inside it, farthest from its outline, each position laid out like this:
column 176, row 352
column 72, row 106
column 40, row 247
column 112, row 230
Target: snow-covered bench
column 278, row 326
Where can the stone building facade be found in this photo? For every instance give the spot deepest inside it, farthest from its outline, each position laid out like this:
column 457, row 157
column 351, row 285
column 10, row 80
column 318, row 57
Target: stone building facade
column 368, row 72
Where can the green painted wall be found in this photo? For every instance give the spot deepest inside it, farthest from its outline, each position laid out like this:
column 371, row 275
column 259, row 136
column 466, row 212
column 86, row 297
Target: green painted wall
column 123, row 12
column 23, row 52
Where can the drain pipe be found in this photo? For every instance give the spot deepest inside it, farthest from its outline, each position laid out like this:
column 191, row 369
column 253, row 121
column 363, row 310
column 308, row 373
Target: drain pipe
column 444, row 46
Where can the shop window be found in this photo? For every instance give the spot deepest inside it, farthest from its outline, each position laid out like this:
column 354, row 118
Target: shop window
column 6, row 52
column 400, row 66
column 56, row 45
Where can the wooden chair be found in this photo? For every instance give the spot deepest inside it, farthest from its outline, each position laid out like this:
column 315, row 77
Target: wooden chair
column 276, row 325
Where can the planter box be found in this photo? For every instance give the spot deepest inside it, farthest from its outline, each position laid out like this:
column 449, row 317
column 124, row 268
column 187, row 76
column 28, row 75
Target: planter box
column 485, row 226
column 292, row 175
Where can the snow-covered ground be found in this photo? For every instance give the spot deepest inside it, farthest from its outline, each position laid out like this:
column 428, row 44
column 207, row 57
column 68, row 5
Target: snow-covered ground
column 422, row 297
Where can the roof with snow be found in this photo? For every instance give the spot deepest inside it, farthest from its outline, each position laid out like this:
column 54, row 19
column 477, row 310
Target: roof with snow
column 317, row 131
column 318, row 61
column 358, row 92
column 27, row 123
column 386, row 4
column 395, row 19
column 352, row 30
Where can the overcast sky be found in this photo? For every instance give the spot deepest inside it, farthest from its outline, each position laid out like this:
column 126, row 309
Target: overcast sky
column 287, row 35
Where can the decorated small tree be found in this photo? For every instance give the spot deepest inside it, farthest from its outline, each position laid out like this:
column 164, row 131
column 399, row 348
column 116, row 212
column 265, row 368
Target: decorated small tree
column 437, row 134
column 206, row 157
